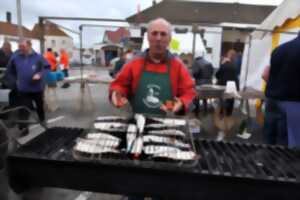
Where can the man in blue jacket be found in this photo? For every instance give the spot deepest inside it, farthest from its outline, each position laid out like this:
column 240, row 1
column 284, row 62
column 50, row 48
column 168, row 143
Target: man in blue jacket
column 25, row 72
column 283, row 86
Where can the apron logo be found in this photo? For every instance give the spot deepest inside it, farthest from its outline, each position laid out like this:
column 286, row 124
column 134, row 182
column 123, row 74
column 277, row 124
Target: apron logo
column 152, row 96
column 33, row 67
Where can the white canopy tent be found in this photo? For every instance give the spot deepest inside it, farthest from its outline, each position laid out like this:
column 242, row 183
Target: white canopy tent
column 280, row 23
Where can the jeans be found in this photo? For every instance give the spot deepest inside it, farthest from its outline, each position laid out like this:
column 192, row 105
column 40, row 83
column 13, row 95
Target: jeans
column 227, row 107
column 27, row 99
column 275, row 125
column 292, row 112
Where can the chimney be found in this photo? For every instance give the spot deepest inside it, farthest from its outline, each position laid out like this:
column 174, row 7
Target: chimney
column 153, row 3
column 8, row 17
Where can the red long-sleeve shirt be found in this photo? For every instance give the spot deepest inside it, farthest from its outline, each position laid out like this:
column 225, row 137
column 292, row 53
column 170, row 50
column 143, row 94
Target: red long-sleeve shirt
column 64, row 59
column 182, row 84
column 50, row 57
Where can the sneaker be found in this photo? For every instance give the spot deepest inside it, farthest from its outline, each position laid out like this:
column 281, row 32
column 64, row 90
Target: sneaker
column 65, row 85
column 245, row 135
column 220, row 136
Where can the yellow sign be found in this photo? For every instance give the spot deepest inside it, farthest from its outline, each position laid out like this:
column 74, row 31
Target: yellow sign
column 175, row 45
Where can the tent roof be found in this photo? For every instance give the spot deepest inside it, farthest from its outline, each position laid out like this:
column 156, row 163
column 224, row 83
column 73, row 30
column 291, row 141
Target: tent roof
column 288, row 9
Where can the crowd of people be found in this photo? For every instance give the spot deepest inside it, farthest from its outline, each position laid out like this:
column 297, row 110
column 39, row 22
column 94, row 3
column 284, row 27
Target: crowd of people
column 25, row 77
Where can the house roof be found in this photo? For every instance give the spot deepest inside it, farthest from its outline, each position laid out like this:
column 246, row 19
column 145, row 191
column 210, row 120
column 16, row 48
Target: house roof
column 116, row 36
column 7, row 28
column 50, row 30
column 187, row 12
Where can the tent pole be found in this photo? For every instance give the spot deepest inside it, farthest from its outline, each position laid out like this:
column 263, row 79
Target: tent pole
column 80, row 54
column 248, row 62
column 194, row 41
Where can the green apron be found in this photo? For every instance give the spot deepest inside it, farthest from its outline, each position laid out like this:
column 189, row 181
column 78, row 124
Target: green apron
column 153, row 90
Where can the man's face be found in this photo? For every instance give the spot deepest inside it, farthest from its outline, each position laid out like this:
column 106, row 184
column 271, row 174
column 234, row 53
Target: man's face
column 7, row 47
column 159, row 37
column 24, row 47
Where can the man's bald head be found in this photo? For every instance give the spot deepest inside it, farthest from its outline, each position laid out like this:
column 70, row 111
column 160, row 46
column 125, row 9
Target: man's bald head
column 159, row 37
column 160, row 21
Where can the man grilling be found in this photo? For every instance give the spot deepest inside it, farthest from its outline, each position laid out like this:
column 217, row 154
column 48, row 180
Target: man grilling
column 154, row 78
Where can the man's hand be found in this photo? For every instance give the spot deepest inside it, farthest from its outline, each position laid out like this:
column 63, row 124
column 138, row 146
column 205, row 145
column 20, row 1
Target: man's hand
column 118, row 100
column 178, row 105
column 36, row 77
column 172, row 106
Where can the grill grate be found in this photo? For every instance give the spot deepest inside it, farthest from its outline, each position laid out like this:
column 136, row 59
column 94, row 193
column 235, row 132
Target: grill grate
column 248, row 160
column 252, row 161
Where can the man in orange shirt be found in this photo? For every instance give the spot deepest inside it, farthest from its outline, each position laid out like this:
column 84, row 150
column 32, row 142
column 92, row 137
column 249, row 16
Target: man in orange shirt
column 50, row 57
column 64, row 63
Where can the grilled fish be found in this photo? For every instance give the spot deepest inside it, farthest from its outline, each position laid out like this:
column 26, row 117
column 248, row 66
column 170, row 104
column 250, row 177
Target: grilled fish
column 167, row 132
column 162, row 126
column 101, row 136
column 111, row 126
column 157, row 149
column 101, row 143
column 183, row 155
column 169, row 121
column 132, row 128
column 137, row 147
column 165, row 140
column 131, row 136
column 169, row 152
column 110, row 118
column 140, row 122
column 93, row 149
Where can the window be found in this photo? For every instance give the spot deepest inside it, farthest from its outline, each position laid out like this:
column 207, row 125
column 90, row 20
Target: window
column 53, row 43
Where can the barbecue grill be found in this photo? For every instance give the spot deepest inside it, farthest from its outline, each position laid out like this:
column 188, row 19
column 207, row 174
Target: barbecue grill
column 231, row 170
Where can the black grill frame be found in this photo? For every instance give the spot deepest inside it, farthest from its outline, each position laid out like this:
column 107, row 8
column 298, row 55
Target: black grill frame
column 28, row 168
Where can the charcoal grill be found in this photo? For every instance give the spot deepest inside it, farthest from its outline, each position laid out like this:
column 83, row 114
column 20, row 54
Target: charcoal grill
column 231, row 170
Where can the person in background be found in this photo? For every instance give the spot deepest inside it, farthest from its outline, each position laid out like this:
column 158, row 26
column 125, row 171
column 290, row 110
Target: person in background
column 275, row 130
column 238, row 63
column 283, row 87
column 157, row 73
column 5, row 54
column 119, row 64
column 202, row 71
column 227, row 72
column 26, row 70
column 50, row 57
column 65, row 65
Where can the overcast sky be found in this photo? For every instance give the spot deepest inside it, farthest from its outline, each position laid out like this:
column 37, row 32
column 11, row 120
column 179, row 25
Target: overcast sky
column 120, row 9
